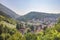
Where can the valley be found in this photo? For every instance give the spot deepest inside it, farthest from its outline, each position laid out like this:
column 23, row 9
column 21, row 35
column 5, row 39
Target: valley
column 32, row 26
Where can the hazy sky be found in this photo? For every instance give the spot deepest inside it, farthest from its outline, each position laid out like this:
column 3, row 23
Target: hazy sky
column 22, row 7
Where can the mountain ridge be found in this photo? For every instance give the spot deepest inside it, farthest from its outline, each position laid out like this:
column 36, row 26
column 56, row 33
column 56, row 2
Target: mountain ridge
column 8, row 11
column 37, row 15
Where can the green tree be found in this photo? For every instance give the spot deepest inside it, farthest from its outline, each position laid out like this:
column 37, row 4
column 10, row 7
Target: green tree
column 1, row 28
column 30, row 36
column 19, row 26
column 17, row 36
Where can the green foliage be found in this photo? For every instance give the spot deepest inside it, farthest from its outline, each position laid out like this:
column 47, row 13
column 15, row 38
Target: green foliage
column 6, row 19
column 19, row 26
column 17, row 36
column 57, row 27
column 58, row 21
column 32, row 28
column 30, row 36
column 5, row 36
column 10, row 33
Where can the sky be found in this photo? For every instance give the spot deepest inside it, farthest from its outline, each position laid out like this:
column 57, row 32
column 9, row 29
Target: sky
column 22, row 7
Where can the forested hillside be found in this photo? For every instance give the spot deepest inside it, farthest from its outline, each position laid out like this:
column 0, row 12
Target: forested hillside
column 38, row 15
column 9, row 12
column 11, row 30
column 29, row 19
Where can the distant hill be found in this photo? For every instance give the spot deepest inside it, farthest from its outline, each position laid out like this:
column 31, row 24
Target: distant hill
column 31, row 15
column 4, row 14
column 38, row 15
column 7, row 11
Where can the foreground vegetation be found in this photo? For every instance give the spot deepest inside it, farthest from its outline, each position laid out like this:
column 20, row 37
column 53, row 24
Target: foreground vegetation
column 9, row 30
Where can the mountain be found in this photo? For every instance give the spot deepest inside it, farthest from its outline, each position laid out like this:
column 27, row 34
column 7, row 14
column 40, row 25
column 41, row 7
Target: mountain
column 38, row 15
column 31, row 15
column 7, row 11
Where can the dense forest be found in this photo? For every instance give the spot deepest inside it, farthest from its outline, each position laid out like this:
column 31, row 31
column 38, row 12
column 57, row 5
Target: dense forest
column 10, row 30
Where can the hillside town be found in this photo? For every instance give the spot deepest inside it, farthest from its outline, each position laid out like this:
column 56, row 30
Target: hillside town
column 38, row 25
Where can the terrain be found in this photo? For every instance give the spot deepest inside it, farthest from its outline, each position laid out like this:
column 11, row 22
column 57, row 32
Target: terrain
column 8, row 11
column 38, row 15
column 13, row 27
